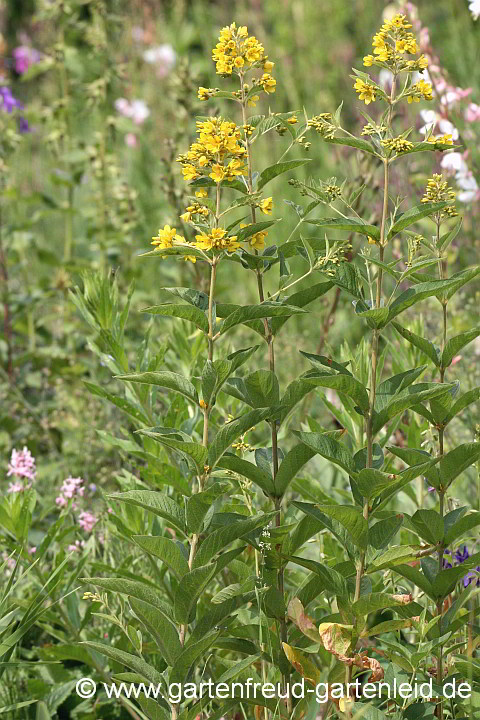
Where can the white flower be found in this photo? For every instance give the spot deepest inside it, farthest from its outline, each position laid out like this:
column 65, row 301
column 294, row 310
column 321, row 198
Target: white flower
column 454, row 162
column 469, row 187
column 446, row 128
column 385, row 78
column 137, row 110
column 163, row 56
column 474, row 7
column 429, row 117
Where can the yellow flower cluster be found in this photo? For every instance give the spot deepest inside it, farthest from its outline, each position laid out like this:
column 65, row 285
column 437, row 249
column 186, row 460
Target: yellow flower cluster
column 323, row 125
column 366, row 92
column 392, row 43
column 236, row 52
column 437, row 190
column 266, row 206
column 217, row 239
column 420, row 89
column 217, row 153
column 195, row 209
column 165, row 238
column 206, row 93
column 398, row 145
column 445, row 140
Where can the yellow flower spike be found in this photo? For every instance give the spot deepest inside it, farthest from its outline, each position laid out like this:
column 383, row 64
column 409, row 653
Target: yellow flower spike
column 202, row 193
column 218, row 173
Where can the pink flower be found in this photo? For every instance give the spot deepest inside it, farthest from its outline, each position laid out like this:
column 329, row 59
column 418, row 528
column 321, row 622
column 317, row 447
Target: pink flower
column 456, row 359
column 32, row 550
column 163, row 57
column 131, row 140
column 87, row 521
column 472, row 113
column 15, row 487
column 25, row 56
column 71, row 488
column 22, row 464
column 137, row 110
column 77, row 547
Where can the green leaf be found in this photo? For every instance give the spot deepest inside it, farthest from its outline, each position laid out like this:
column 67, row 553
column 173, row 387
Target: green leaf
column 209, row 381
column 200, row 503
column 289, row 467
column 421, row 343
column 408, row 398
column 455, row 344
column 375, row 317
column 372, row 602
column 352, row 142
column 459, row 280
column 132, row 661
column 167, row 550
column 413, row 215
column 328, row 448
column 190, row 654
column 253, row 312
column 456, row 461
column 382, row 532
column 462, row 526
column 162, row 630
column 166, row 379
column 177, row 440
column 189, row 589
column 346, row 384
column 302, row 664
column 429, row 525
column 347, row 277
column 352, row 520
column 320, row 362
column 246, row 232
column 331, row 580
column 449, row 236
column 248, row 470
column 351, row 224
column 185, row 312
column 157, row 503
column 416, row 577
column 221, row 538
column 128, row 407
column 262, row 389
column 446, row 580
column 133, row 588
column 464, row 401
column 420, row 292
column 371, row 483
column 231, row 431
column 274, row 170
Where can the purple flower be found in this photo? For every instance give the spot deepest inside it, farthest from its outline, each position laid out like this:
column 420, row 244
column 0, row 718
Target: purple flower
column 462, row 555
column 25, row 56
column 8, row 103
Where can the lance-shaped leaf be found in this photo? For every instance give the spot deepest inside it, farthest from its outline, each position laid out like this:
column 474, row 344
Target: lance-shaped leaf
column 459, row 280
column 421, row 343
column 133, row 588
column 347, row 277
column 464, row 401
column 248, row 470
column 421, row 460
column 371, row 483
column 406, row 399
column 302, row 664
column 246, row 232
column 346, row 384
column 375, row 317
column 194, row 297
column 180, row 442
column 165, row 379
column 128, row 407
column 160, row 627
column 412, row 216
column 221, row 538
column 353, row 142
column 289, row 467
column 261, row 388
column 455, row 344
column 420, row 292
column 157, row 503
column 450, row 235
column 131, row 661
column 445, row 581
column 167, row 550
column 189, row 655
column 185, row 312
column 350, row 224
column 372, row 602
column 352, row 519
column 253, row 312
column 330, row 579
column 462, row 527
column 394, row 385
column 320, row 362
column 415, row 576
column 329, row 448
column 274, row 170
column 382, row 532
column 456, row 461
column 200, row 503
column 189, row 590
column 232, row 430
column 337, row 639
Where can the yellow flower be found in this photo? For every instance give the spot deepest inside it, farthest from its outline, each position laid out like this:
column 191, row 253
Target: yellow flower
column 239, row 62
column 441, row 139
column 368, row 60
column 216, row 240
column 218, row 173
column 186, row 216
column 252, row 101
column 420, row 89
column 205, row 93
column 268, row 66
column 268, row 83
column 292, row 120
column 166, row 237
column 202, row 193
column 365, row 91
column 266, row 206
column 257, row 241
column 189, row 172
column 190, row 258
